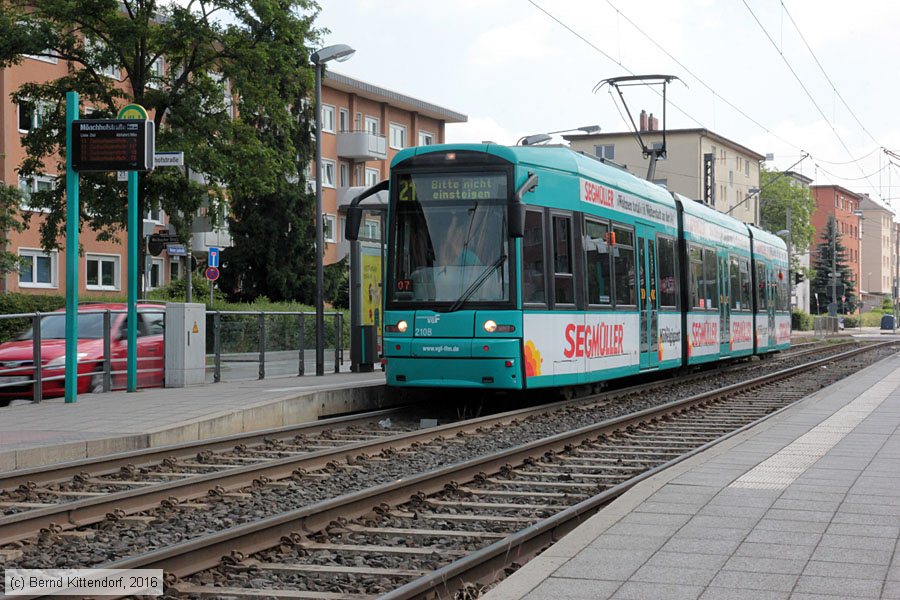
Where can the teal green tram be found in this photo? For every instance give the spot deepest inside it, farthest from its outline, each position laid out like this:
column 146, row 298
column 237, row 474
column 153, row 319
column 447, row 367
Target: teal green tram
column 511, row 268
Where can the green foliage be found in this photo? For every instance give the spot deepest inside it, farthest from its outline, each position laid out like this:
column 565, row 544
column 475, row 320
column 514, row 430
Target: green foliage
column 215, row 53
column 850, row 321
column 10, row 197
column 832, row 252
column 15, row 304
column 176, row 291
column 887, row 305
column 778, row 193
column 871, row 319
column 337, row 284
column 801, row 320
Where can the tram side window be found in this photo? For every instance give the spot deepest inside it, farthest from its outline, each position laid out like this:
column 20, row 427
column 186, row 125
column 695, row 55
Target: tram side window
column 563, row 277
column 597, row 259
column 734, row 272
column 698, row 290
column 710, row 274
column 533, row 259
column 762, row 303
column 745, row 285
column 624, row 266
column 668, row 282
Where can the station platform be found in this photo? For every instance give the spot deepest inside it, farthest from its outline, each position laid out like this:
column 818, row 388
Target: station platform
column 52, row 431
column 805, row 506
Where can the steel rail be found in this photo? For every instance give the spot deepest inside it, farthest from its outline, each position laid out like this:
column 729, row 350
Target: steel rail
column 193, row 556
column 87, row 511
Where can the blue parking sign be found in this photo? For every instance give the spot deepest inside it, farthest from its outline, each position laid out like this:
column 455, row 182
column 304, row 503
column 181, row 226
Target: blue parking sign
column 213, row 260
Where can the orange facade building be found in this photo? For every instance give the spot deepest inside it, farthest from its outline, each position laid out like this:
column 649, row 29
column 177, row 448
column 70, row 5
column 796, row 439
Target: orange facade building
column 844, row 206
column 363, row 127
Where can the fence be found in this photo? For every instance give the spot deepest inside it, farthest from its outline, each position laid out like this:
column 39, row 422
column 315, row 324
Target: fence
column 37, row 369
column 283, row 341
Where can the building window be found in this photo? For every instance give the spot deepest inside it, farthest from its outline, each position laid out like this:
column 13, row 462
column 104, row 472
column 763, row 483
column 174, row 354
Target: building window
column 157, row 71
column 398, row 136
column 154, row 214
column 31, row 115
column 327, row 118
column 328, row 222
column 747, row 168
column 97, row 48
column 328, row 168
column 174, row 268
column 343, row 119
column 39, row 183
column 372, row 176
column 102, row 272
column 37, row 268
column 345, row 175
column 372, row 230
column 156, row 272
column 372, row 125
column 425, row 138
column 607, row 151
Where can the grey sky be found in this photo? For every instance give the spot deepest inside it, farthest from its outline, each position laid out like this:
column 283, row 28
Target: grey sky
column 514, row 69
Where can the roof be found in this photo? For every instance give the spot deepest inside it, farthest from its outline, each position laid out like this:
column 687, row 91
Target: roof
column 836, row 188
column 866, row 203
column 379, row 94
column 700, row 132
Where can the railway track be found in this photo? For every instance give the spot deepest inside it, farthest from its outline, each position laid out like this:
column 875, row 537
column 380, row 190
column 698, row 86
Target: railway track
column 87, row 492
column 468, row 521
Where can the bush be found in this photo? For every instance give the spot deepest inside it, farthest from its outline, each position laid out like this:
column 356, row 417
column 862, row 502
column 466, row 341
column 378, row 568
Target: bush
column 850, row 321
column 177, row 291
column 14, row 303
column 872, row 319
column 801, row 320
column 887, row 306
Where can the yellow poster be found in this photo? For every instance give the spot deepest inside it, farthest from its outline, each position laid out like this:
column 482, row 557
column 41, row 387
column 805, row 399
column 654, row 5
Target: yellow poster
column 371, row 291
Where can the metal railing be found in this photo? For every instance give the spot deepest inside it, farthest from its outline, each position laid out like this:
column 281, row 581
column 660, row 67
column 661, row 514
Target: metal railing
column 21, row 375
column 280, row 340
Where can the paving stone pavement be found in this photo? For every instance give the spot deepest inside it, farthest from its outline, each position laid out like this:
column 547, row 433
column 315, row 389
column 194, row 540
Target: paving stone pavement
column 804, row 506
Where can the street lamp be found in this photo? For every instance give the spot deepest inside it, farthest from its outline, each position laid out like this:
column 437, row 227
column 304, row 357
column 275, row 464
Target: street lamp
column 539, row 138
column 340, row 53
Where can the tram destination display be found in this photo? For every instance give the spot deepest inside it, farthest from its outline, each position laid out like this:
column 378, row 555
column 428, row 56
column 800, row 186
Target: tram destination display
column 112, row 145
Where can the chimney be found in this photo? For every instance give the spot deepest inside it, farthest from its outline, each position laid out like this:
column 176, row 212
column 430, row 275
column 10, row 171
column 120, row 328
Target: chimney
column 643, row 120
column 652, row 123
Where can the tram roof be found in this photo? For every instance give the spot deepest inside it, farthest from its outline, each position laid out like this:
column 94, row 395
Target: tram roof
column 767, row 237
column 559, row 158
column 698, row 209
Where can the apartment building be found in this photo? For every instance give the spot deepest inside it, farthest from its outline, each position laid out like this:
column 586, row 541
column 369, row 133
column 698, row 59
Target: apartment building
column 699, row 164
column 834, row 200
column 363, row 127
column 877, row 245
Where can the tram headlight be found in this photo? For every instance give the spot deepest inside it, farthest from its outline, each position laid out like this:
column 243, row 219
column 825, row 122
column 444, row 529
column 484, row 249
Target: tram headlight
column 402, row 326
column 490, row 326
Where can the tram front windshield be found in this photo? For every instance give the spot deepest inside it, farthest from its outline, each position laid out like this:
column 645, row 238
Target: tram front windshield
column 449, row 245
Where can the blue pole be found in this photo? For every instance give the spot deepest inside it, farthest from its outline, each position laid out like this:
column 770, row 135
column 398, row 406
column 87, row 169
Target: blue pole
column 72, row 215
column 134, row 235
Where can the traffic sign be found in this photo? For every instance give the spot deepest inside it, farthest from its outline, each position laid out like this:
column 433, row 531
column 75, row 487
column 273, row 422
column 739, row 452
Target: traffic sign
column 212, row 273
column 168, row 159
column 213, row 260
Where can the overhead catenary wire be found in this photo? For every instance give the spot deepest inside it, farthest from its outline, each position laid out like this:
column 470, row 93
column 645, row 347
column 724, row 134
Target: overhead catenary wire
column 730, row 104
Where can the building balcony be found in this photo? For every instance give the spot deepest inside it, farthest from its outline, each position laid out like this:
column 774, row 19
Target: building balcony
column 361, row 145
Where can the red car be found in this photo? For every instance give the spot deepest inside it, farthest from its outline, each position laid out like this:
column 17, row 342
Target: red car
column 17, row 356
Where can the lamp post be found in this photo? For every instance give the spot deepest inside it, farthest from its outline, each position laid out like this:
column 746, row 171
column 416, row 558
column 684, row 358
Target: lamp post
column 340, row 53
column 538, row 138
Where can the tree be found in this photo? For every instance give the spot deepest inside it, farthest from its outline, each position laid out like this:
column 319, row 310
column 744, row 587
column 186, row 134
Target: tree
column 778, row 192
column 821, row 285
column 224, row 81
column 10, row 197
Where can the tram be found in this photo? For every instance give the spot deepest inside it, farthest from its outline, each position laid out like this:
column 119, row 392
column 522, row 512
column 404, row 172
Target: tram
column 524, row 267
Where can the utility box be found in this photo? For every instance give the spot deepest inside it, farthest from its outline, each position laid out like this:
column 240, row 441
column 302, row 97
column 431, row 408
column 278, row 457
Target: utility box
column 185, row 344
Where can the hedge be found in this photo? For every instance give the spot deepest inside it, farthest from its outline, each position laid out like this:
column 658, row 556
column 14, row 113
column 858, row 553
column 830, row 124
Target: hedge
column 801, row 320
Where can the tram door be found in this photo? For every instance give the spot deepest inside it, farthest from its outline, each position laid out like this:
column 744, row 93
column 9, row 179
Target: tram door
column 772, row 288
column 648, row 300
column 724, row 307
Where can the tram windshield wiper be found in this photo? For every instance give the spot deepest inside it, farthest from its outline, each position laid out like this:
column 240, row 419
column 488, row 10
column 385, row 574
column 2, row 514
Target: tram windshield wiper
column 477, row 283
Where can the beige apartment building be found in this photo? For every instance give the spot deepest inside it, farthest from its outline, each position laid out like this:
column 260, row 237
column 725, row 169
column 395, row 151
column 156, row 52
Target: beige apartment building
column 699, row 164
column 363, row 127
column 877, row 266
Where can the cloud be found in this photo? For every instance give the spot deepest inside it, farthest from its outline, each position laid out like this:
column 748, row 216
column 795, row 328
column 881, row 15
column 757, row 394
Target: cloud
column 519, row 41
column 480, row 129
